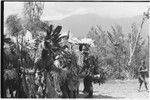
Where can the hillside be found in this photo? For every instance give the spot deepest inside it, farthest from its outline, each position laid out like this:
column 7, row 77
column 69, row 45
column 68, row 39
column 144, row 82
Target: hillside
column 80, row 24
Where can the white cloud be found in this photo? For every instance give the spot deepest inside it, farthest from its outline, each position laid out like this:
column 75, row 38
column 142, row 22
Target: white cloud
column 55, row 17
column 60, row 10
column 83, row 11
column 113, row 9
column 59, row 16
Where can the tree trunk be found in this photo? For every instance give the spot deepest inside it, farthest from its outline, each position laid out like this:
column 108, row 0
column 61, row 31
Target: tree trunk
column 137, row 38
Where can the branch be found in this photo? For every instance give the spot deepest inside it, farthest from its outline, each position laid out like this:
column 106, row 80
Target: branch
column 146, row 16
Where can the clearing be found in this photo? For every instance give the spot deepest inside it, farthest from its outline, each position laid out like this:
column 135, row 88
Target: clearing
column 118, row 89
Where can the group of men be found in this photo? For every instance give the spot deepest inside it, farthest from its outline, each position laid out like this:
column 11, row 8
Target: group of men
column 88, row 78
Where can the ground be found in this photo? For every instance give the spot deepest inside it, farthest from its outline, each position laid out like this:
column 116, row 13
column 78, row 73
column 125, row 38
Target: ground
column 118, row 89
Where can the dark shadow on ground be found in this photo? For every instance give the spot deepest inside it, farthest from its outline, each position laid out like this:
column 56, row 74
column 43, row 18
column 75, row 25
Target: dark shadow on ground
column 93, row 91
column 106, row 96
column 99, row 96
column 142, row 91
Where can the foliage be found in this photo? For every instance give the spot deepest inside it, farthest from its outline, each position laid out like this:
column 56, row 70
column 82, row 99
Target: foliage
column 110, row 57
column 33, row 10
column 112, row 50
column 9, row 52
column 138, row 54
column 32, row 13
column 14, row 25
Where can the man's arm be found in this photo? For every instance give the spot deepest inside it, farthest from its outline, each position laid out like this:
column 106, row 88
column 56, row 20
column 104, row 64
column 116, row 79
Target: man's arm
column 144, row 70
column 140, row 68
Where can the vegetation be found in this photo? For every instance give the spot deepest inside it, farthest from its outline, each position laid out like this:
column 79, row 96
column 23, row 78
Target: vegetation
column 119, row 55
column 116, row 55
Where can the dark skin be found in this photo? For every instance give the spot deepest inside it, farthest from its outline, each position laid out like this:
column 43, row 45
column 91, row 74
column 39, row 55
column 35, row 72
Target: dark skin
column 142, row 74
column 88, row 87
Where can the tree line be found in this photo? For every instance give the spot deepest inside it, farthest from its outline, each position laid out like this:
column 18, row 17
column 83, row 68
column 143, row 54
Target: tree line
column 119, row 54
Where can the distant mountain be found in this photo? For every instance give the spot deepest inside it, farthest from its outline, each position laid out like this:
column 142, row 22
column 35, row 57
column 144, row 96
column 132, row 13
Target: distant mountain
column 80, row 24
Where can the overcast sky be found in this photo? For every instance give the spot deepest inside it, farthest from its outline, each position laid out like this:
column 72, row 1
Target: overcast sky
column 59, row 10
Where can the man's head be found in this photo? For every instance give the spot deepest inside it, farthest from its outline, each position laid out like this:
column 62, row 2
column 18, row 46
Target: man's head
column 143, row 62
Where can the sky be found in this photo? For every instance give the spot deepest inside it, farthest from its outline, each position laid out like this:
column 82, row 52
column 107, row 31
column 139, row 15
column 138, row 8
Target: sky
column 60, row 10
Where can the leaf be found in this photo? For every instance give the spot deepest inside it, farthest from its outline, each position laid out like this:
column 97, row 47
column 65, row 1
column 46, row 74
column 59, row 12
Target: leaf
column 57, row 30
column 110, row 37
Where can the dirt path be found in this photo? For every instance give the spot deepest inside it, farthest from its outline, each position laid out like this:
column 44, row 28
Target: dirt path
column 118, row 89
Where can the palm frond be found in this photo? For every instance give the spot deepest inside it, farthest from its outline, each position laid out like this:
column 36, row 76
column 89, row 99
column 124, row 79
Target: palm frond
column 111, row 38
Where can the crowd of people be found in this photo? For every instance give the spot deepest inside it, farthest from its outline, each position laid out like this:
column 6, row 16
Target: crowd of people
column 60, row 73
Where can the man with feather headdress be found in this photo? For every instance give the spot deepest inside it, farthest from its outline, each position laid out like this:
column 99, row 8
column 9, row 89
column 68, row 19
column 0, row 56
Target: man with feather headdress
column 69, row 65
column 87, row 69
column 89, row 66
